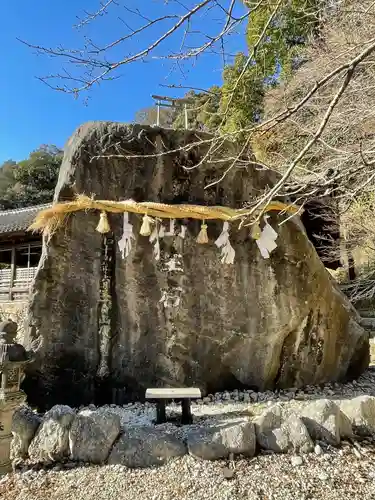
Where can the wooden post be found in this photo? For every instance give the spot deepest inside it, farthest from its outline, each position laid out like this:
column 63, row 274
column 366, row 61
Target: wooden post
column 12, row 272
column 350, row 258
column 161, row 416
column 158, row 114
column 186, row 412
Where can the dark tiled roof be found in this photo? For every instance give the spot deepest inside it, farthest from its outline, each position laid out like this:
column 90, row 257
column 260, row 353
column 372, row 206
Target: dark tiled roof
column 12, row 221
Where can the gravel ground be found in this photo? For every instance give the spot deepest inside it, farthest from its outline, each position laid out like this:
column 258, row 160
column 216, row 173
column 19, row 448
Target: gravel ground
column 336, row 474
column 230, row 405
column 329, row 474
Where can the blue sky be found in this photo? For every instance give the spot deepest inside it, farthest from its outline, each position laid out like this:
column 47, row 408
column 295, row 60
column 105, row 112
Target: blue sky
column 31, row 114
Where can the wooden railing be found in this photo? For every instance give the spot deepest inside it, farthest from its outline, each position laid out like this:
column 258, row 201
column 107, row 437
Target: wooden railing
column 18, row 286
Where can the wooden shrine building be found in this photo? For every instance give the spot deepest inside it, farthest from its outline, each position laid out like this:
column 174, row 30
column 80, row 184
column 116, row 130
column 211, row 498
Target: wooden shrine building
column 20, row 252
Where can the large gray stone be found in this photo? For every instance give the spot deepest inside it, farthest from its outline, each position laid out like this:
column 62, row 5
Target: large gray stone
column 298, row 436
column 92, row 435
column 270, row 419
column 360, row 412
column 24, row 426
column 325, row 421
column 280, row 433
column 51, row 442
column 213, row 443
column 207, row 444
column 280, row 322
column 145, row 446
column 239, row 438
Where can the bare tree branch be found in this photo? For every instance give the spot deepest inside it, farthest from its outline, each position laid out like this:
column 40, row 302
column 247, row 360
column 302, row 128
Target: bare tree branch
column 90, row 17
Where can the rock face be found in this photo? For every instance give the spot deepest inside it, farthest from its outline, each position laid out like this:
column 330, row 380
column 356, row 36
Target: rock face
column 258, row 323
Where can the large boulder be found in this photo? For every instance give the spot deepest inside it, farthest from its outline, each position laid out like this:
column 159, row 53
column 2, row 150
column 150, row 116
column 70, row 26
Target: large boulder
column 51, row 441
column 298, row 436
column 186, row 319
column 92, row 435
column 24, row 426
column 145, row 446
column 213, row 443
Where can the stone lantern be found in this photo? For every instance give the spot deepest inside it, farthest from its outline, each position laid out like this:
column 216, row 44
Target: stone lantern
column 13, row 358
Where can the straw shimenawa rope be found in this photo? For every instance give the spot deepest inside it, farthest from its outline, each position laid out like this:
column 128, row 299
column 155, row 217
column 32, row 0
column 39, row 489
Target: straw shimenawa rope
column 51, row 219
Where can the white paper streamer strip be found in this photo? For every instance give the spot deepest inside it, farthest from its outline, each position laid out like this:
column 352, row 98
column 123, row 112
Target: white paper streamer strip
column 125, row 244
column 227, row 251
column 154, row 239
column 172, row 223
column 267, row 241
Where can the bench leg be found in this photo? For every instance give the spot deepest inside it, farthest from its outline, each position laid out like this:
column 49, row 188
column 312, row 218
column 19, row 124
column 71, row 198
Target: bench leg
column 161, row 416
column 187, row 417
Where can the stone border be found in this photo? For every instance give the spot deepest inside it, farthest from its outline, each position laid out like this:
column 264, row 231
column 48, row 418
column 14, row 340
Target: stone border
column 97, row 436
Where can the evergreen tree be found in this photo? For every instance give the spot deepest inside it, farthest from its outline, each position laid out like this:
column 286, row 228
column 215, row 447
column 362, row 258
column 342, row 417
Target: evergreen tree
column 239, row 102
column 293, row 24
column 203, row 113
column 242, row 98
column 31, row 181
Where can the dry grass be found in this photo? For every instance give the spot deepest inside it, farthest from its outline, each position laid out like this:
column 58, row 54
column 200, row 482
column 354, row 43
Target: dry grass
column 342, row 161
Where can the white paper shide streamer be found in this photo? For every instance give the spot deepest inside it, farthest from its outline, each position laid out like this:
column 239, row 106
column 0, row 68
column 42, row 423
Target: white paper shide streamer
column 172, row 223
column 125, row 244
column 182, row 232
column 157, row 233
column 161, row 231
column 267, row 240
column 227, row 251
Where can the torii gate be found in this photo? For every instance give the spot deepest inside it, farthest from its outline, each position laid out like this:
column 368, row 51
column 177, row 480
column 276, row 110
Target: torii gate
column 172, row 102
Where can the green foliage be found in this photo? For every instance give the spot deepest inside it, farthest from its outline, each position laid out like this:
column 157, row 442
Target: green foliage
column 242, row 99
column 31, row 181
column 277, row 55
column 239, row 102
column 7, row 175
column 203, row 110
column 211, row 110
column 293, row 24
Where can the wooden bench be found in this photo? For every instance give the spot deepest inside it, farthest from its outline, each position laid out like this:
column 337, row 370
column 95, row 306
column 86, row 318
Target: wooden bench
column 161, row 396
